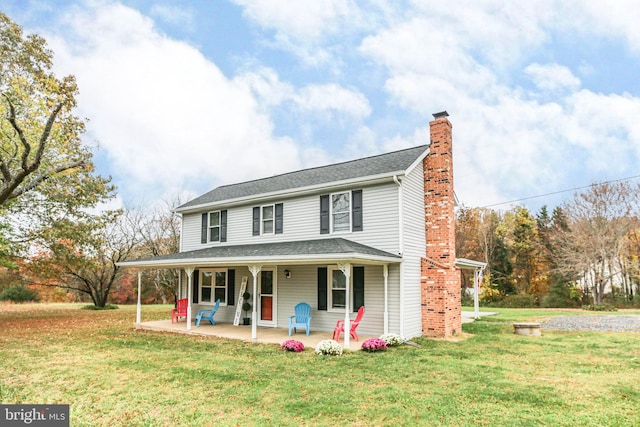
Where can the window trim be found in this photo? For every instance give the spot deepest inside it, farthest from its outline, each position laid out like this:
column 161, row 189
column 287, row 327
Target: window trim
column 210, row 227
column 330, row 307
column 332, row 214
column 258, row 220
column 213, row 286
column 273, row 219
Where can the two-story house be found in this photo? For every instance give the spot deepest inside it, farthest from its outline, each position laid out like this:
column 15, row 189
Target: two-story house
column 377, row 231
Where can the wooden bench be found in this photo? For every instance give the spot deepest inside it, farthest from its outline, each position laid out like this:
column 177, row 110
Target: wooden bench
column 527, row 328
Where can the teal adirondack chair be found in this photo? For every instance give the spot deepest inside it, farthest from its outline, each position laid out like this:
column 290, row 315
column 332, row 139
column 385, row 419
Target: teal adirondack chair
column 207, row 314
column 302, row 318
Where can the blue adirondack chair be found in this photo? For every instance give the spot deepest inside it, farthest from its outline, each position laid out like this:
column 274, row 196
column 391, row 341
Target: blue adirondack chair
column 207, row 314
column 302, row 318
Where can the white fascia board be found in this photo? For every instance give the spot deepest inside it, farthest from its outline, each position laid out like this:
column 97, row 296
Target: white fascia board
column 469, row 263
column 418, row 161
column 294, row 192
column 266, row 260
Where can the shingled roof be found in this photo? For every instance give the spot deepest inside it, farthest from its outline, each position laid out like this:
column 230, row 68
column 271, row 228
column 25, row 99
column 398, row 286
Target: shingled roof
column 397, row 161
column 281, row 251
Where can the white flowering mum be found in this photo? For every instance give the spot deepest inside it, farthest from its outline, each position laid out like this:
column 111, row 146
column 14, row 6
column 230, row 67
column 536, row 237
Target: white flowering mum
column 329, row 348
column 392, row 339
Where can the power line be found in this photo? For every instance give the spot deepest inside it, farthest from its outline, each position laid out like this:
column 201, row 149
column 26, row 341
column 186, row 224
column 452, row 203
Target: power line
column 562, row 191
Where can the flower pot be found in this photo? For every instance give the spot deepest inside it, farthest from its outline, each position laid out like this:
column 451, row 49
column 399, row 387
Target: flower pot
column 246, row 321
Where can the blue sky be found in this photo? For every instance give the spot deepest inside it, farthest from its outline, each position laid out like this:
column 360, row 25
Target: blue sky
column 184, row 96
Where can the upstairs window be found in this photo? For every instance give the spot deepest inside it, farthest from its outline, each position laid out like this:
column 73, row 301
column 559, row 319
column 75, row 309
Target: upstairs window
column 341, row 212
column 268, row 219
column 214, row 227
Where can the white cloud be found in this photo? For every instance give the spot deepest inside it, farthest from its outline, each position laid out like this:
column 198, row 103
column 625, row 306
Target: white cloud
column 163, row 113
column 300, row 19
column 175, row 15
column 507, row 142
column 552, row 77
column 331, row 97
column 322, row 98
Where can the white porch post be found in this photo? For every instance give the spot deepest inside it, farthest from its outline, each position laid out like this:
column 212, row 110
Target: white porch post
column 385, row 274
column 139, row 305
column 255, row 270
column 346, row 270
column 476, row 293
column 189, row 271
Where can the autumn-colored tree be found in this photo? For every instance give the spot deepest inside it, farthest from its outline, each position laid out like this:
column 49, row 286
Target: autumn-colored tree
column 46, row 172
column 82, row 255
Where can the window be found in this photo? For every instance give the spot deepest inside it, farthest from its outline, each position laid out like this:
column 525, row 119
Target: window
column 341, row 212
column 268, row 219
column 337, row 289
column 213, row 286
column 214, row 226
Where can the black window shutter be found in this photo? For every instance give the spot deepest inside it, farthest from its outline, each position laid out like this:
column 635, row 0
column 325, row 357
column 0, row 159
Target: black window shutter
column 324, row 214
column 358, row 288
column 256, row 221
column 356, row 212
column 279, row 218
column 195, row 280
column 223, row 225
column 322, row 288
column 231, row 287
column 205, row 223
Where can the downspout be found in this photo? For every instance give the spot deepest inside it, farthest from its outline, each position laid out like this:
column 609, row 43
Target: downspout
column 400, row 250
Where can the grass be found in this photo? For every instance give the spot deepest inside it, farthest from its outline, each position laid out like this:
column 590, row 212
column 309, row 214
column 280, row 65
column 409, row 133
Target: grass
column 113, row 375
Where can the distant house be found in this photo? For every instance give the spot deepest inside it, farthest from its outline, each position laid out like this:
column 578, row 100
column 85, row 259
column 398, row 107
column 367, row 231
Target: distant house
column 377, row 231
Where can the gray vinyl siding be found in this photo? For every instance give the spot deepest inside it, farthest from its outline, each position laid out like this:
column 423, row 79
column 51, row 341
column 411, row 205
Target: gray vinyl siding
column 302, row 222
column 302, row 287
column 414, row 249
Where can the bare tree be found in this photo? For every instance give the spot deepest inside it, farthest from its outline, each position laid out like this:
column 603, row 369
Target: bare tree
column 160, row 235
column 600, row 221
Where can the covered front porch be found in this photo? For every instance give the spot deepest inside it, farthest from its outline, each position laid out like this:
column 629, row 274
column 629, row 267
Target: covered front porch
column 265, row 335
column 328, row 274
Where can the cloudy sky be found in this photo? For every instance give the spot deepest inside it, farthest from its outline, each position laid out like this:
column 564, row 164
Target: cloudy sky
column 184, row 96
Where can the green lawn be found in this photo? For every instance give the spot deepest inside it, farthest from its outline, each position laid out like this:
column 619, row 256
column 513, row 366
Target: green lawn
column 112, row 375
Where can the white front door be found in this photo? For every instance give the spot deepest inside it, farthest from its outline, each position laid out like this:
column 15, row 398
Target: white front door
column 267, row 297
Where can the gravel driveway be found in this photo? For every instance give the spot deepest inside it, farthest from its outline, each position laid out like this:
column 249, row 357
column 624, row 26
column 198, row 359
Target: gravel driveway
column 617, row 323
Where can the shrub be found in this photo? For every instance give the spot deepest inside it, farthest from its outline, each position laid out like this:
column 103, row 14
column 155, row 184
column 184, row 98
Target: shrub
column 392, row 340
column 517, row 301
column 329, row 348
column 18, row 293
column 599, row 307
column 292, row 345
column 374, row 344
column 95, row 307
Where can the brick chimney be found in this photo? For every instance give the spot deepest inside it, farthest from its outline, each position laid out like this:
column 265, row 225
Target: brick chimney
column 440, row 280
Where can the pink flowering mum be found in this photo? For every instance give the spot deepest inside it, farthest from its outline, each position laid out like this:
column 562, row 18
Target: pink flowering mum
column 374, row 344
column 292, row 345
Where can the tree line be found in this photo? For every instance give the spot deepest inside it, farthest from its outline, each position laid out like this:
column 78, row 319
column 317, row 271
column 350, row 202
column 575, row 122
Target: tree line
column 585, row 251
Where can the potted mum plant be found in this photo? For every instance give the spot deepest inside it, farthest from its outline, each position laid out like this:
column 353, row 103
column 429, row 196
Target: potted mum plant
column 246, row 307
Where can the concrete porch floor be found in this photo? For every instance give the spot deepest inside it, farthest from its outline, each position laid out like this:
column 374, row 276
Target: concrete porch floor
column 264, row 335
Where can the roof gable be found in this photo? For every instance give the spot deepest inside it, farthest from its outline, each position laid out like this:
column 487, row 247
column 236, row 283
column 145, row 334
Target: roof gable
column 397, row 161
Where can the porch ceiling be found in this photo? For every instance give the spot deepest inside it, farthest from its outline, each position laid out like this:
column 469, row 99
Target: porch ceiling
column 298, row 252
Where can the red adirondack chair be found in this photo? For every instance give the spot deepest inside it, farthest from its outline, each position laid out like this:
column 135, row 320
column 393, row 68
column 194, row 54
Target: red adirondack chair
column 339, row 329
column 180, row 310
